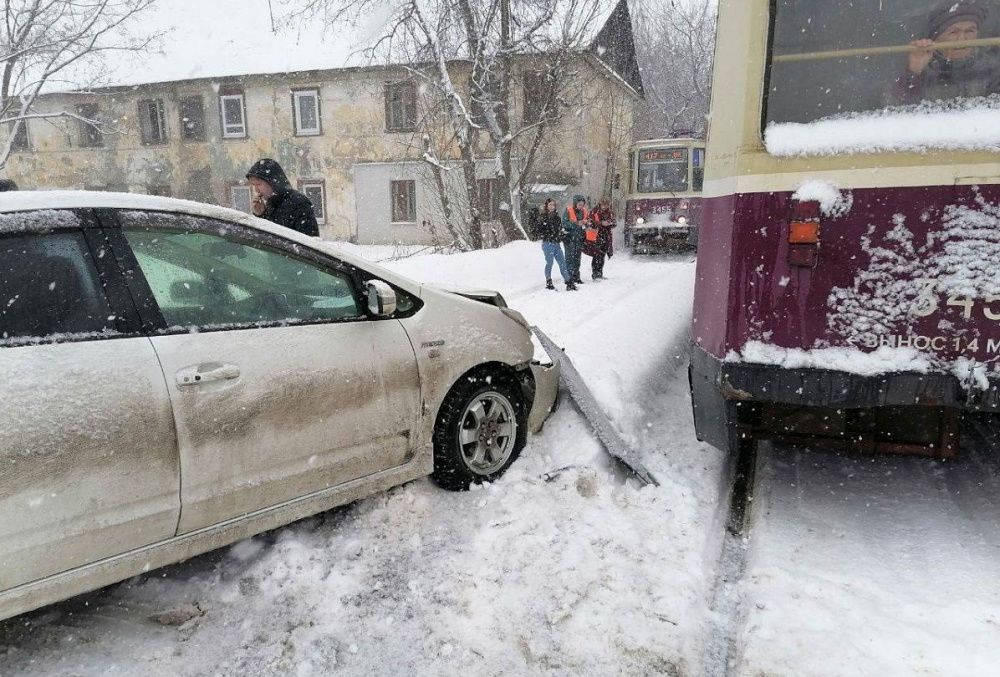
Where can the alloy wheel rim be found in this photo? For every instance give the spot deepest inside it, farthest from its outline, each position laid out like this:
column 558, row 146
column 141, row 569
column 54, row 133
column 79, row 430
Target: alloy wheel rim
column 487, row 433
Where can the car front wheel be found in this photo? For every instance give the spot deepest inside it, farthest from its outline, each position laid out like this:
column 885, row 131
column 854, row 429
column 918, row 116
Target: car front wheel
column 480, row 431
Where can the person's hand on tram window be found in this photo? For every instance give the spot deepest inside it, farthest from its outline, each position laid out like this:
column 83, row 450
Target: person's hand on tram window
column 920, row 58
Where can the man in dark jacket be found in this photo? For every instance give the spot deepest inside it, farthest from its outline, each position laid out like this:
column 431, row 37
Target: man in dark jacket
column 278, row 201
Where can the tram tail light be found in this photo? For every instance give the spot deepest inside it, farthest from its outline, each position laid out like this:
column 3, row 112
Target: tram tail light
column 804, row 234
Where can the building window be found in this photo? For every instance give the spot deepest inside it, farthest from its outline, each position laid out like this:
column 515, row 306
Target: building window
column 152, row 123
column 90, row 135
column 239, row 198
column 20, row 141
column 490, row 192
column 404, row 201
column 305, row 109
column 232, row 108
column 536, row 87
column 400, row 107
column 316, row 192
column 163, row 190
column 192, row 118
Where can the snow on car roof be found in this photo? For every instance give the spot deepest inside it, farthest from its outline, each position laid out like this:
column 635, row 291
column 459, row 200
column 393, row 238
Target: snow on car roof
column 30, row 200
column 24, row 200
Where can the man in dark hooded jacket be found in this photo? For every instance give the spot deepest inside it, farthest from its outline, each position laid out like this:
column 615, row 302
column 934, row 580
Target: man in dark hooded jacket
column 279, row 202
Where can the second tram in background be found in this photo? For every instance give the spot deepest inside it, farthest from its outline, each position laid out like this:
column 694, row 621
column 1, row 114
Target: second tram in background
column 663, row 207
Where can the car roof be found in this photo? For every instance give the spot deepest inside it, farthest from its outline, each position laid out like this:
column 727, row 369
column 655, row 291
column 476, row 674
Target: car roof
column 32, row 200
column 27, row 200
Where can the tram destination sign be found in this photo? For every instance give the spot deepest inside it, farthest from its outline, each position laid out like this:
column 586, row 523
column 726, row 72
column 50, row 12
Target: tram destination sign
column 664, row 155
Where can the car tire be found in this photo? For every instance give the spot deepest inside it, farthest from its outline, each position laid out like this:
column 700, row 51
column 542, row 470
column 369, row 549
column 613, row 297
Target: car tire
column 480, row 431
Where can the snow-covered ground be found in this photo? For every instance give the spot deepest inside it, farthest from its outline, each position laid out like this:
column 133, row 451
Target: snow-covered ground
column 853, row 566
column 873, row 566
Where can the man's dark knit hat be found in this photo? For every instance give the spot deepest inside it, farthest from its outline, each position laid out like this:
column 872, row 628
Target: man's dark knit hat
column 953, row 11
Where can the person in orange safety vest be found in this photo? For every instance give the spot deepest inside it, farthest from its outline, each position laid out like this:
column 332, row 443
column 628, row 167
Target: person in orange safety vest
column 576, row 220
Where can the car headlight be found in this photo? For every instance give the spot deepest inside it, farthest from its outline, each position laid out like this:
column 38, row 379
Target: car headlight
column 682, row 219
column 639, row 221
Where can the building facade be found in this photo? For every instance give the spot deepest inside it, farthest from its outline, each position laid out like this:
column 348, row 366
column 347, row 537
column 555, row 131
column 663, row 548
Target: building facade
column 351, row 139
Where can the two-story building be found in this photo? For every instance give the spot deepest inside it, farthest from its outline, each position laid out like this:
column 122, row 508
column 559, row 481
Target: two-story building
column 350, row 138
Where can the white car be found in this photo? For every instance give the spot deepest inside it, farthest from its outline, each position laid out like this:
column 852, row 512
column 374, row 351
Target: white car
column 175, row 377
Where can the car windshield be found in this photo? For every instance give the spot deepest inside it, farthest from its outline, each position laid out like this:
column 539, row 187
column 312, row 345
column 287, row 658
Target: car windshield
column 878, row 58
column 663, row 170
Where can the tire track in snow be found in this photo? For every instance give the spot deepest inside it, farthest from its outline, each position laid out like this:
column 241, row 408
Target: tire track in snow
column 728, row 615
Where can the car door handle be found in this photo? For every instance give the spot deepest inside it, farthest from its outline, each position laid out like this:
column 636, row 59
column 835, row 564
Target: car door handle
column 207, row 372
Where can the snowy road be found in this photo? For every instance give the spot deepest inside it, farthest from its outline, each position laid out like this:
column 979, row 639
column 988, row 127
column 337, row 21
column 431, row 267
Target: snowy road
column 873, row 566
column 854, row 566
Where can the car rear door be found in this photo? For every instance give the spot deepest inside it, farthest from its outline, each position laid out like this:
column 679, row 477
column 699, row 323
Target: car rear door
column 88, row 455
column 281, row 385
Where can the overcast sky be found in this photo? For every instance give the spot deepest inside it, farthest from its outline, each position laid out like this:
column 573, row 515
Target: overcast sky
column 230, row 37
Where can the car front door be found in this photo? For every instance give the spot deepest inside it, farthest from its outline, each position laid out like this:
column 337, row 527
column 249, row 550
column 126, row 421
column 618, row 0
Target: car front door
column 281, row 385
column 88, row 454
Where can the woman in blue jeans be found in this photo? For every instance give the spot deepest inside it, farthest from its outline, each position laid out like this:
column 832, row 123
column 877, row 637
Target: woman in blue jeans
column 550, row 229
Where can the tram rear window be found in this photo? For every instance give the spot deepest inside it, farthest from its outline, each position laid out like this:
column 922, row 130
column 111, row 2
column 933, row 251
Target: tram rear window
column 831, row 58
column 663, row 170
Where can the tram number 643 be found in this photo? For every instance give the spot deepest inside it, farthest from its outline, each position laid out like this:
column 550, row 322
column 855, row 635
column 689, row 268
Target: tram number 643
column 927, row 303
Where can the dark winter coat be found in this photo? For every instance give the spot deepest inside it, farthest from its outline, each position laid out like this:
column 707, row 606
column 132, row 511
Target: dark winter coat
column 976, row 76
column 604, row 221
column 550, row 227
column 287, row 206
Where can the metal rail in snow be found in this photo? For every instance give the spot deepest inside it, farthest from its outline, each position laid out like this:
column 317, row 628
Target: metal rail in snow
column 599, row 422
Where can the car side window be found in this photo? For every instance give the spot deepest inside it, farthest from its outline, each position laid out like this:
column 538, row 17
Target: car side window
column 205, row 280
column 50, row 289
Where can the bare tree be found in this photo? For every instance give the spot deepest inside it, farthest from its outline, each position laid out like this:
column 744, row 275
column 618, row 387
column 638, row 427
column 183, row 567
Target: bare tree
column 470, row 55
column 46, row 43
column 675, row 42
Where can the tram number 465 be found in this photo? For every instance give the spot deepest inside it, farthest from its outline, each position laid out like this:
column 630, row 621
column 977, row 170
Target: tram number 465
column 927, row 303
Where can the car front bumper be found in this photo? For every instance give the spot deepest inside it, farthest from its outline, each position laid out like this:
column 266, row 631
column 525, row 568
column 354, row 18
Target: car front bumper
column 546, row 385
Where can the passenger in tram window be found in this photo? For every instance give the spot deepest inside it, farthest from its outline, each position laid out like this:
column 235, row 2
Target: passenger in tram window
column 933, row 75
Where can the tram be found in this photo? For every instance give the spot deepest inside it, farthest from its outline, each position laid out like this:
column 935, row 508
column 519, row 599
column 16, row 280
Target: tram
column 846, row 288
column 663, row 205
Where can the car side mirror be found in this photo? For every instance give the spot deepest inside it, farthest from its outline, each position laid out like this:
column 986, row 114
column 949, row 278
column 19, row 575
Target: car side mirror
column 381, row 299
